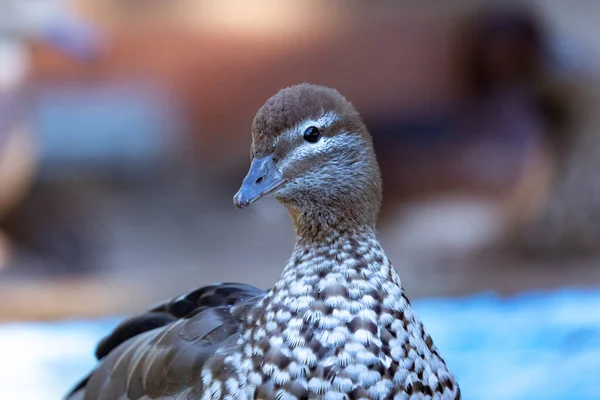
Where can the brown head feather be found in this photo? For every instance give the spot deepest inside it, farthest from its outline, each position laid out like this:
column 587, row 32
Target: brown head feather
column 293, row 104
column 332, row 184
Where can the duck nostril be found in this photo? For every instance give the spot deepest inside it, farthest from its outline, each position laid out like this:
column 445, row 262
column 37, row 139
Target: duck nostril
column 259, row 180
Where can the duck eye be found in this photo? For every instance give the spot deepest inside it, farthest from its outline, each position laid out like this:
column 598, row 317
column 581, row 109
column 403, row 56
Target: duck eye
column 311, row 134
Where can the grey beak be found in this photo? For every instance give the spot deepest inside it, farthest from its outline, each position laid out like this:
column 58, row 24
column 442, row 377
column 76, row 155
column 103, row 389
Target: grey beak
column 262, row 179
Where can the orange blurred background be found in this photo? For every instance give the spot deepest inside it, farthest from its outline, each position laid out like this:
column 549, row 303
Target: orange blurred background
column 124, row 131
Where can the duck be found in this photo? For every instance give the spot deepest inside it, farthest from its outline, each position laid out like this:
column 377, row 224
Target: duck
column 337, row 324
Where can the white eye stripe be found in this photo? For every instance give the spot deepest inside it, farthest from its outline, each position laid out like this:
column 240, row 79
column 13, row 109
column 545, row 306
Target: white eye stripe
column 324, row 121
column 340, row 140
column 306, row 149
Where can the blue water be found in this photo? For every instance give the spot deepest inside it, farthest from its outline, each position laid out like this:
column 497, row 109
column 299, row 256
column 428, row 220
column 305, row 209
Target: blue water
column 542, row 346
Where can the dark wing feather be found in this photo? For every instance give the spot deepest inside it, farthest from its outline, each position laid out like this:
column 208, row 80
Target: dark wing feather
column 162, row 352
column 132, row 327
column 218, row 294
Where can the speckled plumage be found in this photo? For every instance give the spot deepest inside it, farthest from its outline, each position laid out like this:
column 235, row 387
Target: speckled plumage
column 336, row 325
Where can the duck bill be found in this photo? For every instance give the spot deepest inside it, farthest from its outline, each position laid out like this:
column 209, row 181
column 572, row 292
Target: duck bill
column 262, row 179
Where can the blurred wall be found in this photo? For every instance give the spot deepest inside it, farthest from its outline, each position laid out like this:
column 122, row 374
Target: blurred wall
column 121, row 193
column 383, row 58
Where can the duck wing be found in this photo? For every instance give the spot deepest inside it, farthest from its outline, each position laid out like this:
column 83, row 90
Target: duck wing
column 161, row 353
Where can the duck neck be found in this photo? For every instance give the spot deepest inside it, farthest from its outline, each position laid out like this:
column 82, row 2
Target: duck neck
column 342, row 270
column 315, row 225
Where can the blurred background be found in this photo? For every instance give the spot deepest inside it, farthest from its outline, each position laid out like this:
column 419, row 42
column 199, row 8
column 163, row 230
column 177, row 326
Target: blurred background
column 125, row 132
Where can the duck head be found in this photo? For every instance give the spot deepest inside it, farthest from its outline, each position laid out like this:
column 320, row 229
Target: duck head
column 311, row 150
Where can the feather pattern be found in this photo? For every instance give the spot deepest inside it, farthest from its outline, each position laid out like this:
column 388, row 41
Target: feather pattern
column 336, row 325
column 292, row 341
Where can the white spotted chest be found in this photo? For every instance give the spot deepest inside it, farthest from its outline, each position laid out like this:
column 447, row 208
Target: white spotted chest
column 336, row 325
